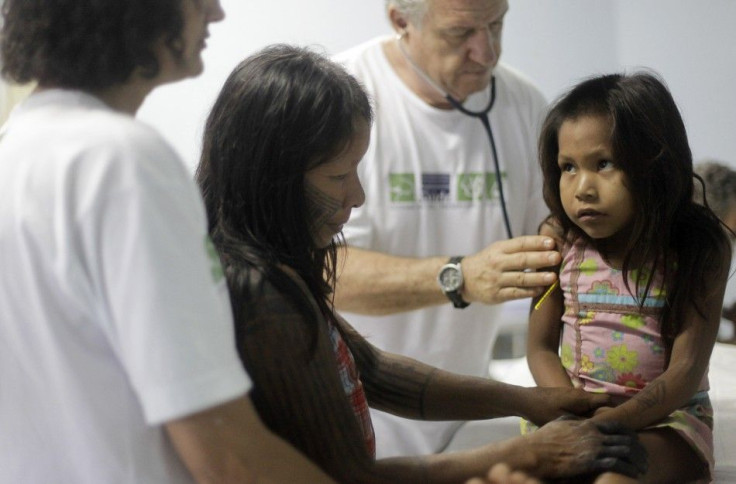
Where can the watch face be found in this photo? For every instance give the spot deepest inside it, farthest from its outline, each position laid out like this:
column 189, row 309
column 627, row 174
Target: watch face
column 450, row 279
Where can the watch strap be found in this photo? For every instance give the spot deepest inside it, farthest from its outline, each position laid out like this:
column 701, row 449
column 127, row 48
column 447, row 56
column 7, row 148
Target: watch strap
column 454, row 296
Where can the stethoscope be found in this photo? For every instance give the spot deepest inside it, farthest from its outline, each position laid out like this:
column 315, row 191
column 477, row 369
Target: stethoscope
column 482, row 115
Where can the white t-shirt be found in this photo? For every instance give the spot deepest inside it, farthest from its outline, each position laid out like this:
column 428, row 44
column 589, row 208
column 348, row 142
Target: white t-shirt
column 429, row 182
column 114, row 315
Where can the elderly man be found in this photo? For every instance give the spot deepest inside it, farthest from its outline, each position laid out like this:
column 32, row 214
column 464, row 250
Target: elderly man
column 117, row 356
column 437, row 209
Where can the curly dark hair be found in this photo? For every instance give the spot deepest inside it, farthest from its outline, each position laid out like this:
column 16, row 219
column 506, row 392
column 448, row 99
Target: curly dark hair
column 85, row 44
column 649, row 143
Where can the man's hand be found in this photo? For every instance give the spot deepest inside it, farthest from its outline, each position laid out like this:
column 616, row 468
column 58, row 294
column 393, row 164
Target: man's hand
column 551, row 227
column 499, row 273
column 547, row 404
column 566, row 448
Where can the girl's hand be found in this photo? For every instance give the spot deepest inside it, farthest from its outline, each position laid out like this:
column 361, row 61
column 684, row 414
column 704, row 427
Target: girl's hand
column 548, row 404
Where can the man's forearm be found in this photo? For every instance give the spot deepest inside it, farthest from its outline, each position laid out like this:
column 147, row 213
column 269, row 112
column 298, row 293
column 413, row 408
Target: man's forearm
column 374, row 283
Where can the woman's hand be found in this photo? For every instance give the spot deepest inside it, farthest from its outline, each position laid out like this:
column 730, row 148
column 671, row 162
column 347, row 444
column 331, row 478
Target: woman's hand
column 566, row 448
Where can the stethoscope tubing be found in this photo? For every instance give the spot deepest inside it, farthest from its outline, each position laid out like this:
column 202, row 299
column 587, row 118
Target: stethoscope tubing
column 482, row 115
column 486, row 121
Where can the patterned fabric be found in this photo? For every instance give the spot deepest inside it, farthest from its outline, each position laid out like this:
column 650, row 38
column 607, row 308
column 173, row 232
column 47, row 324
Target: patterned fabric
column 610, row 345
column 350, row 380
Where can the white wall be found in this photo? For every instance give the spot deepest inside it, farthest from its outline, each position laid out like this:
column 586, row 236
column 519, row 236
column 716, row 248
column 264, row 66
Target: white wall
column 556, row 42
column 694, row 47
column 179, row 110
column 691, row 44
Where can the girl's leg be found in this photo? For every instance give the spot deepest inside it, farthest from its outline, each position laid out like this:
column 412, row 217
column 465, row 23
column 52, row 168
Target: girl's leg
column 671, row 461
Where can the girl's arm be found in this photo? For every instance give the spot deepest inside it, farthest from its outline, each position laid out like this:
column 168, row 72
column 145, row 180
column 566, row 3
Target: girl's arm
column 543, row 341
column 689, row 361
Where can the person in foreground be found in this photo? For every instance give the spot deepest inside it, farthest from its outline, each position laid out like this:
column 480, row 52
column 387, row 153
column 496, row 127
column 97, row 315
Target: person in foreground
column 117, row 359
column 643, row 273
column 434, row 204
column 279, row 177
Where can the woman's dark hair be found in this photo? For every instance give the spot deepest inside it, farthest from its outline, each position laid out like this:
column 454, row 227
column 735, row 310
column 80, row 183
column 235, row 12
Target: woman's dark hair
column 280, row 113
column 85, row 44
column 650, row 145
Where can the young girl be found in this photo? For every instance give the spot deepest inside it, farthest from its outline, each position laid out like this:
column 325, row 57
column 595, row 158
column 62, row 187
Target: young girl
column 644, row 268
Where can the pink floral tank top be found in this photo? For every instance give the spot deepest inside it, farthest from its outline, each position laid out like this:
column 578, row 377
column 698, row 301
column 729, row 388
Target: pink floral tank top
column 609, row 344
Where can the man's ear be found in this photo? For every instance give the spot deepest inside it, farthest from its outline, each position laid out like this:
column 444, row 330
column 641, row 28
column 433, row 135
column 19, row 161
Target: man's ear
column 398, row 20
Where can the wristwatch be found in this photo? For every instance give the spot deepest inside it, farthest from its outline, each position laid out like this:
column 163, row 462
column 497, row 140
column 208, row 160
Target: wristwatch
column 451, row 281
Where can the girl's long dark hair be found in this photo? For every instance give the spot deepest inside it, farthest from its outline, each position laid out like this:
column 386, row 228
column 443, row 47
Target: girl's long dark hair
column 281, row 112
column 649, row 143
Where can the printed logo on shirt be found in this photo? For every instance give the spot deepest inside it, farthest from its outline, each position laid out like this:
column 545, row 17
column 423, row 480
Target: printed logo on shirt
column 436, row 187
column 215, row 265
column 477, row 186
column 403, row 187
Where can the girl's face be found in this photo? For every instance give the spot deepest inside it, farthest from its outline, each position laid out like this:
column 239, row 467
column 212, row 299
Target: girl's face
column 593, row 189
column 333, row 188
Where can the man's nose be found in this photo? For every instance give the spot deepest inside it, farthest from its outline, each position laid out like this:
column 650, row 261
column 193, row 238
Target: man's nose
column 484, row 47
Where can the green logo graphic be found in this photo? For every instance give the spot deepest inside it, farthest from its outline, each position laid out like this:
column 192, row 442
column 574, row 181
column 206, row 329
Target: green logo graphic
column 477, row 186
column 491, row 190
column 471, row 186
column 403, row 187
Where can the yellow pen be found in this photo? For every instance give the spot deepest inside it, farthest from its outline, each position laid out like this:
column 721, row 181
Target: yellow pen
column 546, row 294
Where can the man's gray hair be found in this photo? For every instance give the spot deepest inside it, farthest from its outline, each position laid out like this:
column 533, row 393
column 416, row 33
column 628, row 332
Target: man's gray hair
column 414, row 10
column 720, row 186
